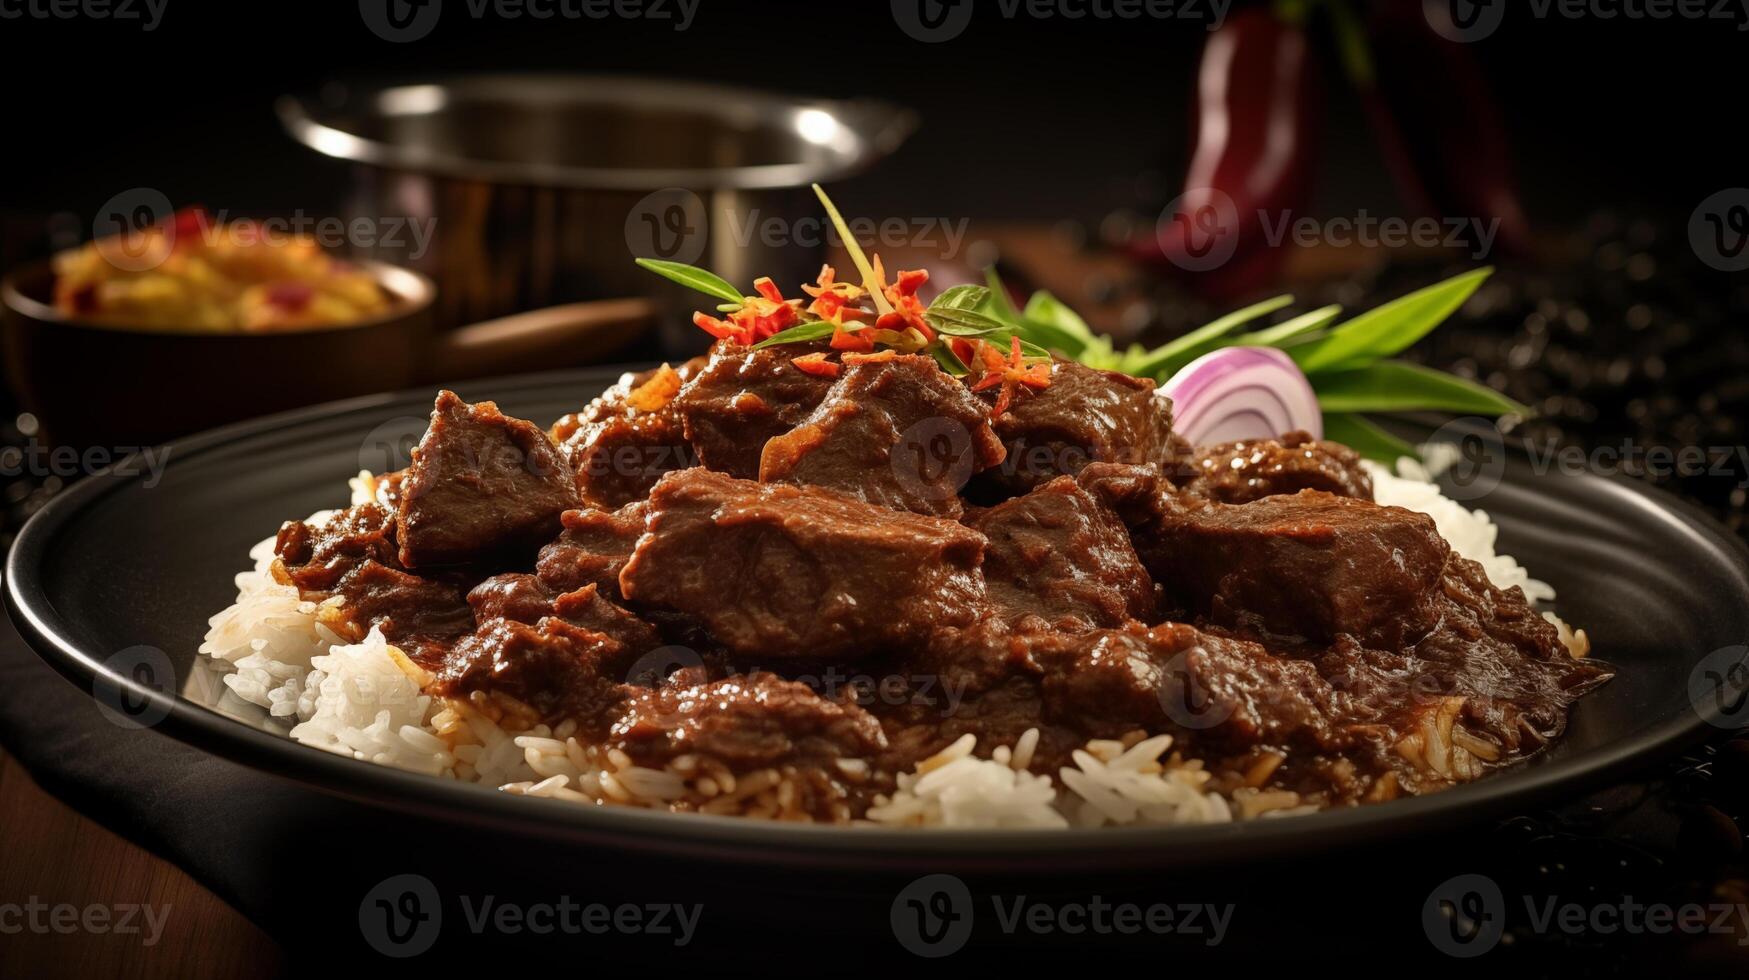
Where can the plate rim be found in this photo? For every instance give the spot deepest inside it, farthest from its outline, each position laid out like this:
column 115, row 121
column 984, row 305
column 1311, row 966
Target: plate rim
column 761, row 842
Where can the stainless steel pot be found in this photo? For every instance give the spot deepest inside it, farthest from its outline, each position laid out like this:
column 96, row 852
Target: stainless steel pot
column 541, row 189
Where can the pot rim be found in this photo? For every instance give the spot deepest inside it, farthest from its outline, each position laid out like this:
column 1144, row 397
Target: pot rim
column 864, row 130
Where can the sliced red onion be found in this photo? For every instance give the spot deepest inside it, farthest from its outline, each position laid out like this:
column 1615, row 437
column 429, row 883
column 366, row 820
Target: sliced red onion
column 1242, row 393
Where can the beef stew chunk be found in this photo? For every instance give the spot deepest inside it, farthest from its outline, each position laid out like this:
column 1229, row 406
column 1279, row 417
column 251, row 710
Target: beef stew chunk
column 898, row 432
column 422, row 616
column 779, row 571
column 741, row 398
column 481, row 483
column 1240, row 472
column 526, row 599
column 551, row 670
column 622, row 442
column 315, row 557
column 1311, row 565
column 747, row 722
column 1060, row 557
column 592, row 548
column 1085, row 416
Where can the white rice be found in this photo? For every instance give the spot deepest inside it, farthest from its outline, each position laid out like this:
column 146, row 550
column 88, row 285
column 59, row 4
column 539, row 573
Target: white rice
column 365, row 700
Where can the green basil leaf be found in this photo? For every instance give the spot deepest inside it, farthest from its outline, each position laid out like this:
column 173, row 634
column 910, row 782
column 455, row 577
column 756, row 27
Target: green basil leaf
column 961, row 298
column 1001, row 305
column 1049, row 311
column 1398, row 386
column 1165, row 360
column 812, row 330
column 1365, row 438
column 1391, row 328
column 965, row 323
column 692, row 277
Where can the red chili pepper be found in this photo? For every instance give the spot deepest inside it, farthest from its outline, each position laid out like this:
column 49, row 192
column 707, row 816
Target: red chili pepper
column 1439, row 127
column 1258, row 114
column 816, row 364
column 1010, row 374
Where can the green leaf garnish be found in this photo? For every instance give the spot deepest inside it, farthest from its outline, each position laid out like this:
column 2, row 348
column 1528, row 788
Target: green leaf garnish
column 1299, row 328
column 869, row 282
column 961, row 298
column 812, row 330
column 965, row 323
column 1389, row 329
column 1361, row 435
column 948, row 360
column 1399, row 386
column 1001, row 306
column 692, row 277
column 1164, row 361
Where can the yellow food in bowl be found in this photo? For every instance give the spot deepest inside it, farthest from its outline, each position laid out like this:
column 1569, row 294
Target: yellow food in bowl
column 190, row 274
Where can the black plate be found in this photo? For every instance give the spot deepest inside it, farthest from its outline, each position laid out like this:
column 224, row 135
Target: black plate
column 114, row 564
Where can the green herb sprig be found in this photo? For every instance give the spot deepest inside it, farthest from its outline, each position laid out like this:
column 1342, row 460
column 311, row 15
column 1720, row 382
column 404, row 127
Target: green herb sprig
column 1351, row 364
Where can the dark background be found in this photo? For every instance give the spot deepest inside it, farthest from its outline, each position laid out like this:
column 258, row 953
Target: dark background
column 1021, row 119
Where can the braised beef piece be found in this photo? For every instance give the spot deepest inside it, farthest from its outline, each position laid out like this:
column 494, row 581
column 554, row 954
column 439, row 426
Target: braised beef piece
column 747, row 722
column 780, row 571
column 1060, row 557
column 421, row 616
column 592, row 548
column 556, row 669
column 743, row 397
column 1085, row 416
column 623, row 441
column 1239, row 472
column 314, row 557
column 899, row 432
column 1311, row 565
column 527, row 599
column 1218, row 696
column 481, row 483
column 1138, row 494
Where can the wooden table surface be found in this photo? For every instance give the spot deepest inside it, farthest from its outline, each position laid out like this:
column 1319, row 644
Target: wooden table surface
column 52, row 856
